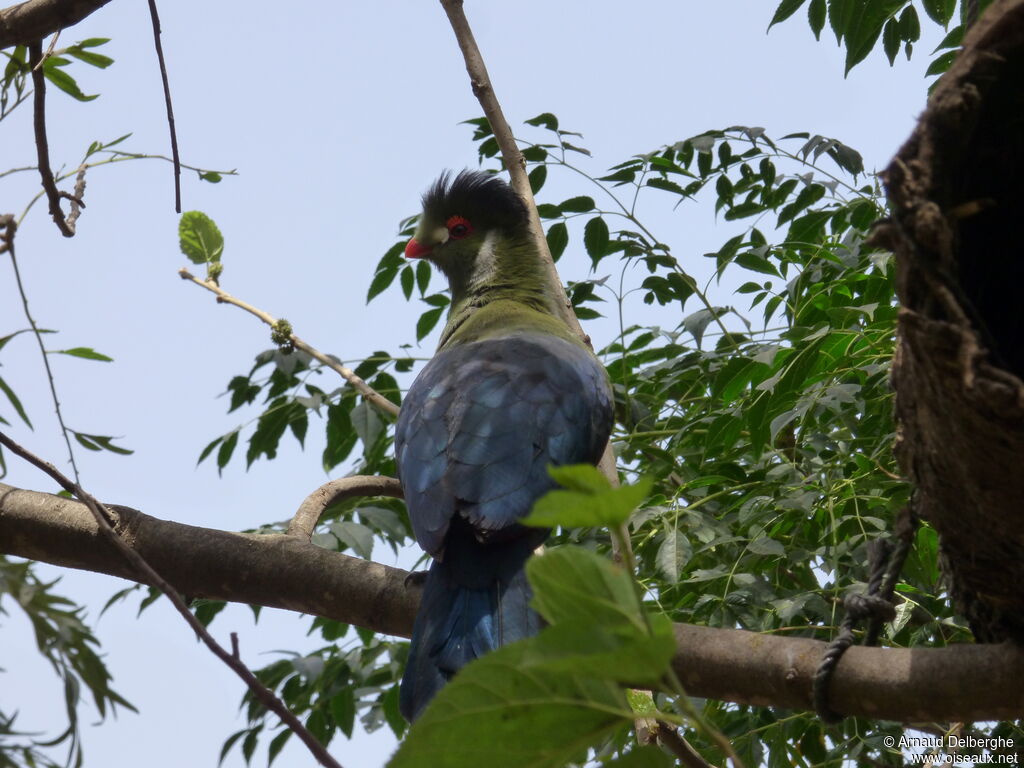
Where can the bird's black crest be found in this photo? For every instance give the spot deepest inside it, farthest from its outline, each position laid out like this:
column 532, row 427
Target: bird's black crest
column 485, row 199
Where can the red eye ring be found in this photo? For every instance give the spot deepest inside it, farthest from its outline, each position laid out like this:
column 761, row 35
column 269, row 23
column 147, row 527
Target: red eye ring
column 458, row 227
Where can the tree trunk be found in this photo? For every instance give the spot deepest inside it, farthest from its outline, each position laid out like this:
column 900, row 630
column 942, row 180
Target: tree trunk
column 957, row 200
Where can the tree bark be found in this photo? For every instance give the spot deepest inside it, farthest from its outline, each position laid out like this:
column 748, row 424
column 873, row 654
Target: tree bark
column 961, row 683
column 35, row 19
column 956, row 193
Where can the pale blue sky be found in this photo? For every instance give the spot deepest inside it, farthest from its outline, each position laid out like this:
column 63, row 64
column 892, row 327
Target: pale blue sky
column 337, row 115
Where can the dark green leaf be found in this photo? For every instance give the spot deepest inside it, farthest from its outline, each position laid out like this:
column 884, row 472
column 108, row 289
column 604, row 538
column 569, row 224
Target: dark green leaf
column 537, row 178
column 84, row 352
column 595, row 239
column 558, row 239
column 785, row 9
column 891, row 40
column 816, row 14
column 545, row 119
column 407, row 280
column 277, row 744
column 940, row 11
column 941, row 63
column 13, row 398
column 427, row 322
column 580, row 204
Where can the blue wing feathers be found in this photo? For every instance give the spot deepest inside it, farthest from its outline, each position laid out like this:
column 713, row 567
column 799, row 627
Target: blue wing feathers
column 475, row 436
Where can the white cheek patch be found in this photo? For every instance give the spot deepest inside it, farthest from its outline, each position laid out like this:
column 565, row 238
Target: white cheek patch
column 486, row 264
column 439, row 236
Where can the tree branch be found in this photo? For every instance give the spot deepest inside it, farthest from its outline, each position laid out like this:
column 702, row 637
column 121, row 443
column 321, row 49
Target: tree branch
column 155, row 17
column 308, row 514
column 35, row 19
column 105, row 521
column 674, row 742
column 514, row 161
column 372, row 396
column 956, row 683
column 53, row 195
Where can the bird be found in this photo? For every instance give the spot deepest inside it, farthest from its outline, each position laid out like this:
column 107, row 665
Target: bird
column 511, row 390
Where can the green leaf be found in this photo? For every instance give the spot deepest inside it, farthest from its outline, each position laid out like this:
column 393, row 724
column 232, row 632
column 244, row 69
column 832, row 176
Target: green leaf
column 367, row 424
column 94, row 59
column 226, row 449
column 786, row 9
column 673, row 555
column 595, row 239
column 408, row 278
column 766, row 546
column 537, row 178
column 355, row 536
column 816, row 13
column 622, row 652
column 501, row 713
column 88, row 353
column 427, row 322
column 643, row 757
column 13, row 398
column 891, row 40
column 545, row 119
column 100, row 443
column 199, row 238
column 423, row 276
column 558, row 239
column 343, row 710
column 864, row 26
column 573, row 584
column 63, row 80
column 941, row 63
column 586, row 504
column 277, row 744
column 940, row 11
column 580, row 204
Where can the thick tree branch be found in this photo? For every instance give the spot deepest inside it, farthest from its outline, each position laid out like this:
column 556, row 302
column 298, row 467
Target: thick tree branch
column 372, row 396
column 105, row 521
column 308, row 514
column 958, row 683
column 35, row 19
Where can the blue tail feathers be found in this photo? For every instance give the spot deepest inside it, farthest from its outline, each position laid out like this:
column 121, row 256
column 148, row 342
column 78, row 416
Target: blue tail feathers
column 475, row 600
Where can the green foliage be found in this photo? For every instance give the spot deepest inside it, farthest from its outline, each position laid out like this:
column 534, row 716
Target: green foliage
column 760, row 422
column 65, row 641
column 546, row 700
column 199, row 238
column 858, row 25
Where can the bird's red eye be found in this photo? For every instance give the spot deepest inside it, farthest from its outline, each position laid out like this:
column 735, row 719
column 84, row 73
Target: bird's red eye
column 458, row 227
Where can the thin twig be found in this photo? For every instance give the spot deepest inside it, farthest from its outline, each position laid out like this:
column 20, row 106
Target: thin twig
column 10, row 227
column 53, row 195
column 672, row 740
column 49, row 49
column 104, row 518
column 170, row 110
column 513, row 159
column 372, row 396
column 308, row 514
